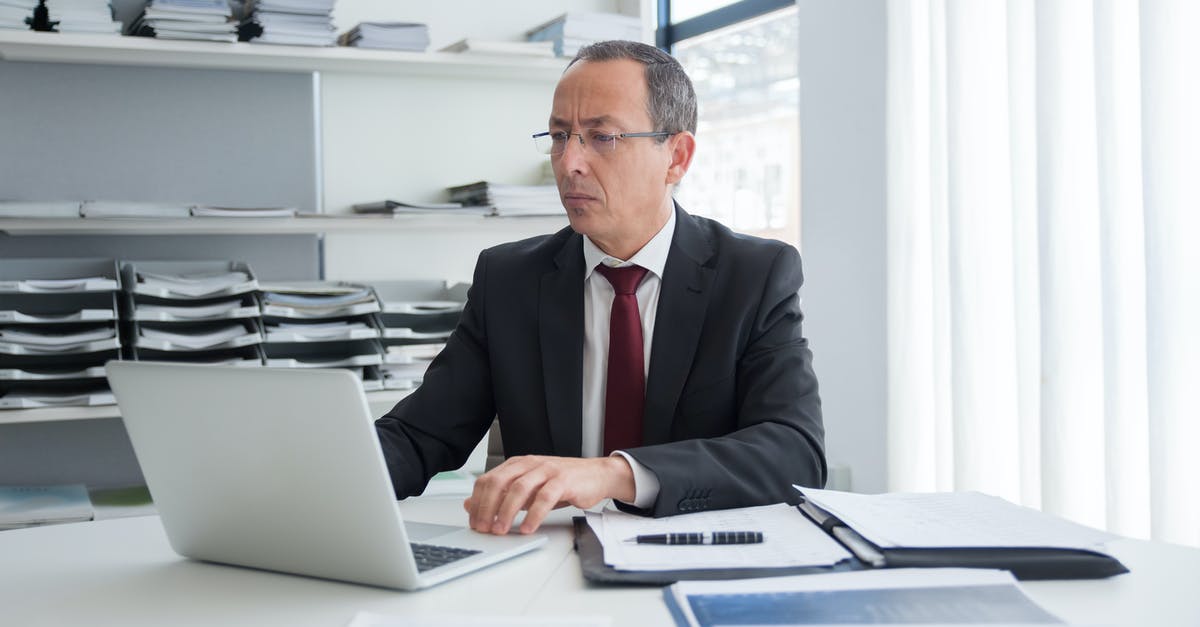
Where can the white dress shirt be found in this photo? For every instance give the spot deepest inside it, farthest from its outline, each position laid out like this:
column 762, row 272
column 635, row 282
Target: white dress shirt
column 597, row 307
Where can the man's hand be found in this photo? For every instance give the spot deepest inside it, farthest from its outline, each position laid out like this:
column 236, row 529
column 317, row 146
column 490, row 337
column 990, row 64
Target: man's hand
column 539, row 484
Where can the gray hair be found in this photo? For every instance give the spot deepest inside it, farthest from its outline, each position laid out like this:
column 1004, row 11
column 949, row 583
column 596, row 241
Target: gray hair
column 672, row 104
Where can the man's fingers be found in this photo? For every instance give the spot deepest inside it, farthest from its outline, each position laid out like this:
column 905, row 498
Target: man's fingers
column 490, row 491
column 547, row 498
column 521, row 490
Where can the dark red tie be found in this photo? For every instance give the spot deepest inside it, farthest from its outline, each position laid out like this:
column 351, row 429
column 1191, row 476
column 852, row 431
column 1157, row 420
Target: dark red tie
column 625, row 389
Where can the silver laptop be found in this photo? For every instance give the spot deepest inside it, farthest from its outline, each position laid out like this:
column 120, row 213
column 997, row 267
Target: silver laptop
column 281, row 469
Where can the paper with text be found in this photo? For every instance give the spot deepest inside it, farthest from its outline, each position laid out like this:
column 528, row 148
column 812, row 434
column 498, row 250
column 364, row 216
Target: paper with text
column 789, row 539
column 952, row 519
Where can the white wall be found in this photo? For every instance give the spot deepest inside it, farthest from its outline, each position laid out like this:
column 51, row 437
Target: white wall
column 843, row 201
column 409, row 138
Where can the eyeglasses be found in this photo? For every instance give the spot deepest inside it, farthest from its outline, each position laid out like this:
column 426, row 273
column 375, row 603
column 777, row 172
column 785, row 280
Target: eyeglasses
column 603, row 142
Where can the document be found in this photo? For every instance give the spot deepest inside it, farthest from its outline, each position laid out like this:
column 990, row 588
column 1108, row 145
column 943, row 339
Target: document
column 213, row 311
column 29, row 399
column 197, row 285
column 952, row 520
column 320, row 332
column 243, row 212
column 38, row 208
column 122, row 209
column 48, row 339
column 789, row 539
column 196, row 340
column 22, row 506
column 82, row 315
column 957, row 596
column 54, row 286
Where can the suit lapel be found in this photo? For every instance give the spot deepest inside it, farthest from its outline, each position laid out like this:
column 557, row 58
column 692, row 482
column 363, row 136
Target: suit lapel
column 682, row 303
column 560, row 319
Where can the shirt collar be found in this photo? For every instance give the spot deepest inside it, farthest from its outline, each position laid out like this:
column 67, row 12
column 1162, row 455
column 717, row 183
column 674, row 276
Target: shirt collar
column 652, row 256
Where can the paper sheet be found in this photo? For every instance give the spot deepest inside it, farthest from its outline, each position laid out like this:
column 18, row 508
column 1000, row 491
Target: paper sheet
column 952, row 519
column 926, row 596
column 789, row 539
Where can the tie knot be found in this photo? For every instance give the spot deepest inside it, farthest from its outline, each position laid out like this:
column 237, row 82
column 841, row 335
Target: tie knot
column 625, row 279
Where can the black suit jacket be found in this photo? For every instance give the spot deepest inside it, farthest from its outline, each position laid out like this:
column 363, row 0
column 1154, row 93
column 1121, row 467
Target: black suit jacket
column 732, row 416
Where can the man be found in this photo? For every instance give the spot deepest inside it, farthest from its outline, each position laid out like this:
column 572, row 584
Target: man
column 643, row 354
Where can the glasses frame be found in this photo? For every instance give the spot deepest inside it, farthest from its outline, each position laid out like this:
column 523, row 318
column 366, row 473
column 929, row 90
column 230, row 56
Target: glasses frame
column 615, row 136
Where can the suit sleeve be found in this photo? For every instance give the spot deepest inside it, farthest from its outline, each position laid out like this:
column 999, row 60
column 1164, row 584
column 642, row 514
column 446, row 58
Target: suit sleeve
column 437, row 426
column 779, row 436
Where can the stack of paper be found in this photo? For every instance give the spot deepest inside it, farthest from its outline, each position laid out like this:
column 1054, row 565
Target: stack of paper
column 291, row 22
column 243, row 212
column 198, row 337
column 23, row 506
column 193, row 285
column 83, row 16
column 571, row 31
column 14, row 13
column 518, row 48
column 123, row 209
column 319, row 331
column 207, row 20
column 219, row 310
column 408, row 36
column 317, row 301
column 42, row 340
column 35, row 208
column 510, row 200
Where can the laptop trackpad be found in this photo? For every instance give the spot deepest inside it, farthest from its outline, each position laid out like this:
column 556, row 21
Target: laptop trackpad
column 422, row 532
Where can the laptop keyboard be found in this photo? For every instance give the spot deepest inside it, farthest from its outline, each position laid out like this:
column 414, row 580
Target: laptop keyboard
column 430, row 556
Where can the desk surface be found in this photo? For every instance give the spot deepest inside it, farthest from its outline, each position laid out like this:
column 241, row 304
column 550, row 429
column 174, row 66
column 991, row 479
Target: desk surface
column 124, row 572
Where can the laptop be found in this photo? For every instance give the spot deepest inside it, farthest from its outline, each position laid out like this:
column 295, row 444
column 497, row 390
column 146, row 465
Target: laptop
column 280, row 469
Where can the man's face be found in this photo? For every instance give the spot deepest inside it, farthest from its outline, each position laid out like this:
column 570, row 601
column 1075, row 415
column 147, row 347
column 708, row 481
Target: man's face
column 619, row 196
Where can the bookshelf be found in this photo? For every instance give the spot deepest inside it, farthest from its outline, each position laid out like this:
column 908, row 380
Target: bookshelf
column 318, row 224
column 318, row 128
column 60, row 414
column 41, row 47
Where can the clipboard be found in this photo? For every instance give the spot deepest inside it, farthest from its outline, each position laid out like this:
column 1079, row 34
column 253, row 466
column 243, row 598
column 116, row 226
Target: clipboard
column 1034, row 563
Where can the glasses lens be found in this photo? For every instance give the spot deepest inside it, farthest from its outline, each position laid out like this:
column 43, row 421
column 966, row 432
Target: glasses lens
column 601, row 141
column 544, row 144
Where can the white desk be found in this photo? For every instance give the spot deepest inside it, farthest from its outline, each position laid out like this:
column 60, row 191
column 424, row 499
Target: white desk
column 124, row 572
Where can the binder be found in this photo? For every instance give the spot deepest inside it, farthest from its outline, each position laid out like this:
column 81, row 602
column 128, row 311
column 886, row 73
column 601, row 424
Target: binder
column 1026, row 563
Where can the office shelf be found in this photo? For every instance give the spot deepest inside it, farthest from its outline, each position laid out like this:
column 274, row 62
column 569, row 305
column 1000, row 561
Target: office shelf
column 149, row 52
column 59, row 414
column 224, row 226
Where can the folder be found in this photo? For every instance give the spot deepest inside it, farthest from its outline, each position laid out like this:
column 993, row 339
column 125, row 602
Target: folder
column 988, row 532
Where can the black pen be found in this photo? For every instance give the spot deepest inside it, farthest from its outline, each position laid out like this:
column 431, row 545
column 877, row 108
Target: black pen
column 715, row 537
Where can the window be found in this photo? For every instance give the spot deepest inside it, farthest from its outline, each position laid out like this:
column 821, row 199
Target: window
column 746, row 172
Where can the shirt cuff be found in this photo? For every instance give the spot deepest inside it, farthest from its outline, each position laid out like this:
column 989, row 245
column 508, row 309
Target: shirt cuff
column 645, row 483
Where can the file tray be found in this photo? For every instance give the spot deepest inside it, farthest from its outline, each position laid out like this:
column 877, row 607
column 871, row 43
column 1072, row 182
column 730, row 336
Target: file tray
column 187, row 280
column 311, row 300
column 64, row 339
column 420, row 309
column 322, row 330
column 324, row 354
column 58, row 276
column 244, row 356
column 30, row 399
column 198, row 336
column 155, row 309
column 34, row 373
column 58, row 308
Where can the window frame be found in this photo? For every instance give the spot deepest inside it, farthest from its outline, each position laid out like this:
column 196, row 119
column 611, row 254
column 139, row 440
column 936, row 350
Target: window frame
column 666, row 35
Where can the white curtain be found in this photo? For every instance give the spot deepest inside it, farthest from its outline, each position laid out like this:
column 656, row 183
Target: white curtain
column 1044, row 256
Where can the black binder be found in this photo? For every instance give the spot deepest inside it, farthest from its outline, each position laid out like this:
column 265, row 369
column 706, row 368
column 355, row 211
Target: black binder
column 1024, row 563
